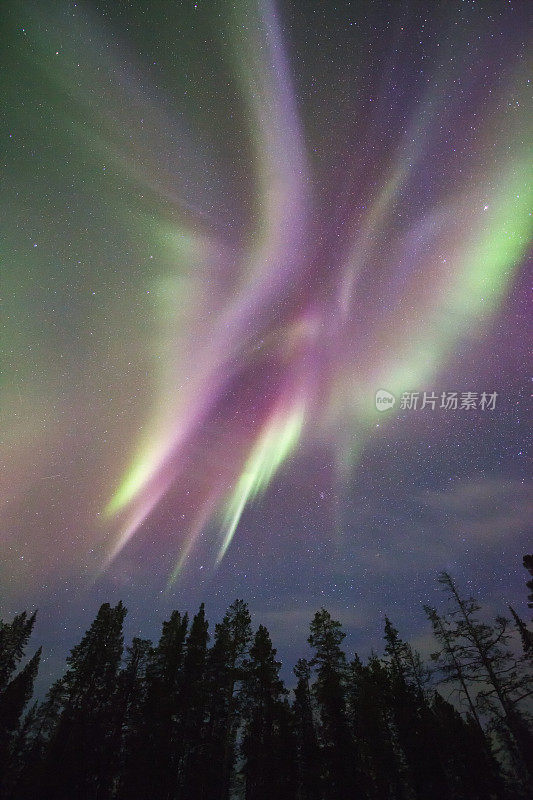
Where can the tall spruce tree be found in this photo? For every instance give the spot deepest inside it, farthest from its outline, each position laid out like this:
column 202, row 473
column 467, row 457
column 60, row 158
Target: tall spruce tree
column 14, row 637
column 192, row 706
column 224, row 674
column 342, row 775
column 42, row 725
column 286, row 752
column 267, row 767
column 130, row 707
column 472, row 771
column 152, row 768
column 499, row 675
column 448, row 662
column 526, row 636
column 78, row 759
column 15, row 689
column 309, row 757
column 369, row 703
column 425, row 775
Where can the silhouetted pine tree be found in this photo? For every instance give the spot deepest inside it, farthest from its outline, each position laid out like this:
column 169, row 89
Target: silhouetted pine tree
column 493, row 667
column 342, row 776
column 448, row 661
column 224, row 674
column 309, row 757
column 412, row 718
column 453, row 671
column 19, row 767
column 152, row 766
column 286, row 751
column 40, row 726
column 14, row 637
column 526, row 635
column 15, row 689
column 129, row 706
column 192, row 705
column 78, row 756
column 472, row 773
column 369, row 702
column 267, row 769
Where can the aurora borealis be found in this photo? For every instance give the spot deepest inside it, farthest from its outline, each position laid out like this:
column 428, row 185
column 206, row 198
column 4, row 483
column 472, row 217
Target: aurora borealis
column 226, row 227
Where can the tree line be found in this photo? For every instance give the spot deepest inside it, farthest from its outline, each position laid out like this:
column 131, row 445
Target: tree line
column 207, row 717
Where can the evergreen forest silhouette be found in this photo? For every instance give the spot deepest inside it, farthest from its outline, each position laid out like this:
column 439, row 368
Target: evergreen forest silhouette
column 204, row 715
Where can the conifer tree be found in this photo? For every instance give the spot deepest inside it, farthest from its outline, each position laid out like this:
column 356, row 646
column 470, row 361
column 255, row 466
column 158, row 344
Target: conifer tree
column 130, row 706
column 18, row 775
column 412, row 718
column 78, row 757
column 16, row 695
column 342, row 777
column 493, row 667
column 224, row 675
column 14, row 637
column 369, row 701
column 448, row 661
column 266, row 769
column 526, row 635
column 308, row 751
column 152, row 768
column 131, row 684
column 40, row 731
column 193, row 704
column 286, row 752
column 471, row 769
column 15, row 689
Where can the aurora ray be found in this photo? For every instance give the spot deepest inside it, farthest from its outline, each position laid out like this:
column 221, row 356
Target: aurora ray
column 457, row 259
column 294, row 267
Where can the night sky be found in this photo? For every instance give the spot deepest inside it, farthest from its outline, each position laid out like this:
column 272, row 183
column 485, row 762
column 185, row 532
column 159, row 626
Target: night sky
column 225, row 227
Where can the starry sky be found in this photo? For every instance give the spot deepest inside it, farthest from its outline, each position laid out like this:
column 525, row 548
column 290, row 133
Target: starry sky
column 227, row 227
